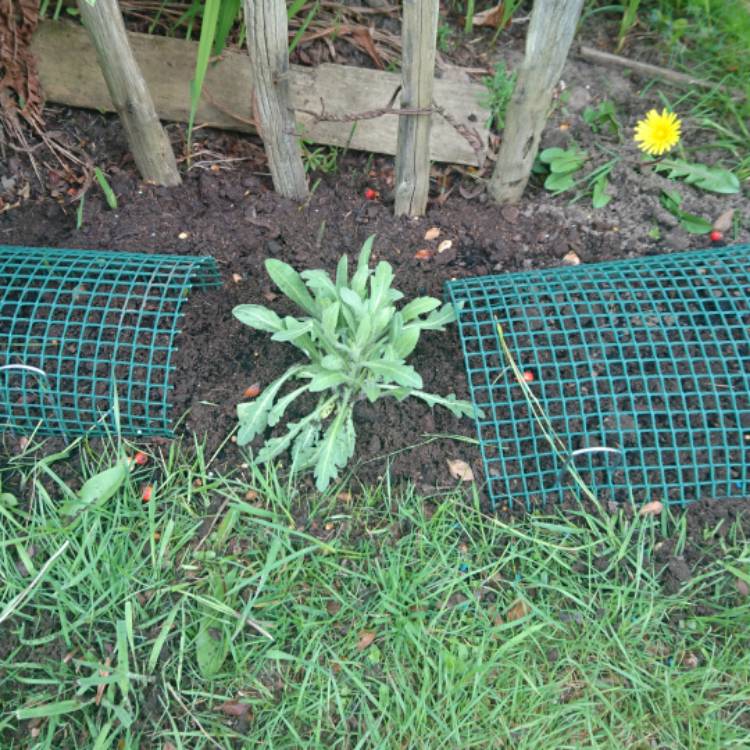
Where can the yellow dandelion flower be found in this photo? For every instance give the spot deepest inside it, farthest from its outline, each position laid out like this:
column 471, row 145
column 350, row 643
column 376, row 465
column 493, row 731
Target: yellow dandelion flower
column 658, row 133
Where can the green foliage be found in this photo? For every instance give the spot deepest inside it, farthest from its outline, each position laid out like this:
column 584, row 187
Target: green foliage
column 98, row 488
column 319, row 159
column 600, row 655
column 563, row 165
column 443, row 37
column 109, row 194
column 708, row 40
column 209, row 27
column 356, row 343
column 671, row 201
column 499, row 92
column 714, row 179
column 604, row 120
column 628, row 20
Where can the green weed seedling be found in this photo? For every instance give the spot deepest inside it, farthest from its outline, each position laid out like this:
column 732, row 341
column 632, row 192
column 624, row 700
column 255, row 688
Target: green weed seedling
column 499, row 92
column 356, row 343
column 671, row 201
column 712, row 179
column 603, row 120
column 563, row 165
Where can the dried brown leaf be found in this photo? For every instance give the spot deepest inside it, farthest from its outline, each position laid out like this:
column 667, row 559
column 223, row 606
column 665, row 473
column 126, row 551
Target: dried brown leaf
column 366, row 638
column 460, row 470
column 518, row 610
column 362, row 37
column 423, row 254
column 723, row 222
column 233, row 708
column 491, row 17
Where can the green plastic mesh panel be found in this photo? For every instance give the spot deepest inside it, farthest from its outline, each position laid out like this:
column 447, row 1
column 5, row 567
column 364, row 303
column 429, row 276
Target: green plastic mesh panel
column 642, row 366
column 78, row 326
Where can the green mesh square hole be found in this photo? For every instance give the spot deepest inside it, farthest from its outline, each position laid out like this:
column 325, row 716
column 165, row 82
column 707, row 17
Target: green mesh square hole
column 642, row 367
column 76, row 326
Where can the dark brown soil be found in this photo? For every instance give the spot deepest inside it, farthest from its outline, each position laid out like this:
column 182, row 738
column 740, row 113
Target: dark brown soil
column 232, row 214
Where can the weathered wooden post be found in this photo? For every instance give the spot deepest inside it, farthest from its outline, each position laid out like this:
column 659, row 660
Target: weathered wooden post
column 268, row 44
column 551, row 30
column 148, row 142
column 418, row 42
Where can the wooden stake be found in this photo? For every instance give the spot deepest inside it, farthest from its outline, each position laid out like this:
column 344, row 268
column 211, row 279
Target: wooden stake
column 267, row 43
column 418, row 42
column 551, row 29
column 147, row 140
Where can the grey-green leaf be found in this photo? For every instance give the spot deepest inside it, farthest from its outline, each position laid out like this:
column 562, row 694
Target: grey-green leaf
column 342, row 272
column 283, row 404
column 259, row 317
column 419, row 306
column 437, row 319
column 715, row 179
column 395, row 372
column 406, row 342
column 291, row 284
column 330, row 318
column 320, row 282
column 211, row 647
column 253, row 415
column 380, row 285
column 336, row 448
column 99, row 488
column 293, row 329
column 353, row 300
column 450, row 402
column 324, row 380
column 359, row 280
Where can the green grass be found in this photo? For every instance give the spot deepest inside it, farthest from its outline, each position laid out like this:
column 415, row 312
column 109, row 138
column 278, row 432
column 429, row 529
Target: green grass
column 144, row 599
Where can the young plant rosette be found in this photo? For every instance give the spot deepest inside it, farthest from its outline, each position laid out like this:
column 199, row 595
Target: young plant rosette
column 356, row 343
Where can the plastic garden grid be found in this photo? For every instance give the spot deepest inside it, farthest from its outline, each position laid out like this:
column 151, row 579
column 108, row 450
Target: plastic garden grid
column 642, row 367
column 78, row 326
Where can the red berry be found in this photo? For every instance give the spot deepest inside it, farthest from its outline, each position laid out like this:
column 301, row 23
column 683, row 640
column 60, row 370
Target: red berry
column 140, row 458
column 148, row 491
column 716, row 236
column 371, row 194
column 528, row 376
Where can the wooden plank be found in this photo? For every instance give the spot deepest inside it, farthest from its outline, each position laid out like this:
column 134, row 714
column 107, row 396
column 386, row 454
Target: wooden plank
column 418, row 41
column 70, row 75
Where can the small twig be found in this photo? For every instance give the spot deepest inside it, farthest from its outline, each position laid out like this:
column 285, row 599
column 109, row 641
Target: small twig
column 193, row 717
column 649, row 71
column 16, row 601
column 244, row 120
column 210, row 528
